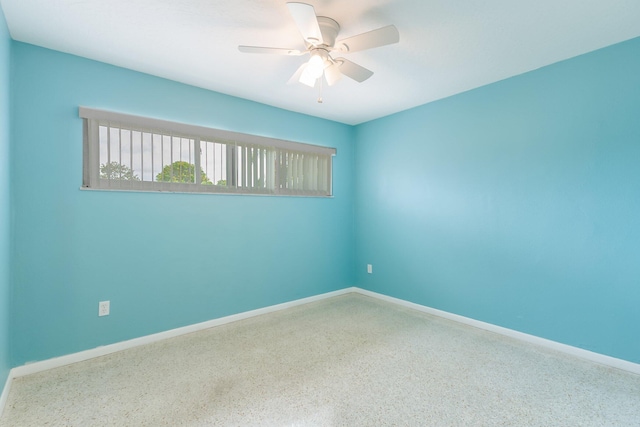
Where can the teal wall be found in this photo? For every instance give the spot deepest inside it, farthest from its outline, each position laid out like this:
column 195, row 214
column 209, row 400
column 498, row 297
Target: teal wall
column 5, row 210
column 163, row 260
column 517, row 203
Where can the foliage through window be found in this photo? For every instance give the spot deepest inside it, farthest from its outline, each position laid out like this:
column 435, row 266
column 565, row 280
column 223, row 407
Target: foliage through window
column 124, row 152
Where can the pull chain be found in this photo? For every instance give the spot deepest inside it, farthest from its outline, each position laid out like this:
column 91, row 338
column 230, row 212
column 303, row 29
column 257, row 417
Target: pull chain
column 320, row 90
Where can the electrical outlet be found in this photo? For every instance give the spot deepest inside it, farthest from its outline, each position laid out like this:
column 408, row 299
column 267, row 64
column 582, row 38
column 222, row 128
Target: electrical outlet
column 103, row 308
column 369, row 268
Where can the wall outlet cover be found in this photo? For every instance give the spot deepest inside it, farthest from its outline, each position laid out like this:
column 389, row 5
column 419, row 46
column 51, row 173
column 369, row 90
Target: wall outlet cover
column 103, row 308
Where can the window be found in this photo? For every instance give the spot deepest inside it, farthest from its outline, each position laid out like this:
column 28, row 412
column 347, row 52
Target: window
column 124, row 152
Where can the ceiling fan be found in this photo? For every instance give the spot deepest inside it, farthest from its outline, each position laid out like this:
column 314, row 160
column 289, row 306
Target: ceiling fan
column 319, row 34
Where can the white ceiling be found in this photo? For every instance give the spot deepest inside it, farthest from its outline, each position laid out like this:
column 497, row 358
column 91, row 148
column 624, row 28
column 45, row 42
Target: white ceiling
column 446, row 46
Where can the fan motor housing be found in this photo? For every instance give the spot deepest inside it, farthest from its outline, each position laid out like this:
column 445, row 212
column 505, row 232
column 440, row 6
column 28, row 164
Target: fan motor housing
column 329, row 29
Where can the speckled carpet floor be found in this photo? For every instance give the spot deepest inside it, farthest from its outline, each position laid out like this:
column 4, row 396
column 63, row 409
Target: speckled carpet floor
column 345, row 361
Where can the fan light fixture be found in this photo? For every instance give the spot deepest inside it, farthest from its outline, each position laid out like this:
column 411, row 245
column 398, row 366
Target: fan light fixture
column 314, row 69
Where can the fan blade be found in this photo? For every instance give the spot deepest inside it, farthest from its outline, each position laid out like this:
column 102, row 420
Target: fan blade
column 305, row 18
column 274, row 50
column 375, row 38
column 353, row 70
column 332, row 73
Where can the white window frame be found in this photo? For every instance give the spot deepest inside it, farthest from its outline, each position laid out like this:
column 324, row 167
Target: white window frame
column 287, row 163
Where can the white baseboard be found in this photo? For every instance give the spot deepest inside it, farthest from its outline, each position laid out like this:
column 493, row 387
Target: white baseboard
column 56, row 362
column 44, row 365
column 5, row 393
column 532, row 339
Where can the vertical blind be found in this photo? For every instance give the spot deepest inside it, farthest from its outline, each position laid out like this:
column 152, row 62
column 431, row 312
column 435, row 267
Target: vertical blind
column 136, row 153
